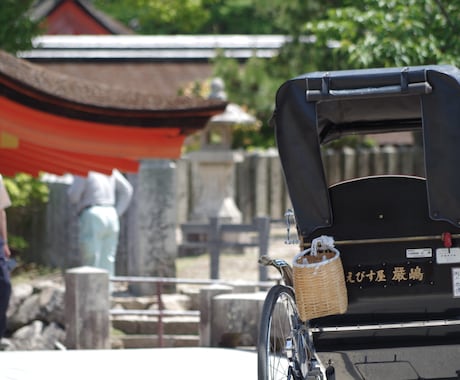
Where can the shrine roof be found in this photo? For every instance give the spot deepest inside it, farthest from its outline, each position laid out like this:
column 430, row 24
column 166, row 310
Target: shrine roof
column 55, row 111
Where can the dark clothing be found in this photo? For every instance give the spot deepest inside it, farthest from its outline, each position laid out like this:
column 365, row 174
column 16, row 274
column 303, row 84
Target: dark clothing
column 5, row 289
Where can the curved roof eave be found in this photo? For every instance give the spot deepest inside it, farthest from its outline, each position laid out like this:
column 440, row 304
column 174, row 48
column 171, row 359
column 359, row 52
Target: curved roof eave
column 54, row 111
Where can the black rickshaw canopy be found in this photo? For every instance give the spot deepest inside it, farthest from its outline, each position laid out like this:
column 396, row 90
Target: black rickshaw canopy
column 318, row 107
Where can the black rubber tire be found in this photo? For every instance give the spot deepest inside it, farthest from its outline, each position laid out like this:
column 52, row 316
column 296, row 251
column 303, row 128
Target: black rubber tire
column 276, row 327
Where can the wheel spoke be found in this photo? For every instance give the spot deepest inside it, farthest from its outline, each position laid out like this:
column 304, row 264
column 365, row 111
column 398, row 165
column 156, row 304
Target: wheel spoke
column 278, row 340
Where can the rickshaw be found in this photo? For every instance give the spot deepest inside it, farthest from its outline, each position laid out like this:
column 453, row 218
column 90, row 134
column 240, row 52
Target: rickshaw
column 397, row 236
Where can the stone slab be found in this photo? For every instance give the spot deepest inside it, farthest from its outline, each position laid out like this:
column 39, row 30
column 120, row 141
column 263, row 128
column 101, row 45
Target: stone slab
column 131, row 324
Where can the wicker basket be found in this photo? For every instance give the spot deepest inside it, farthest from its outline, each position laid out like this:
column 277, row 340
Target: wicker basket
column 319, row 283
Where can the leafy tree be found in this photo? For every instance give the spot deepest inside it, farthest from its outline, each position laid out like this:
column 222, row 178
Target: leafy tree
column 16, row 27
column 192, row 16
column 157, row 16
column 238, row 17
column 384, row 33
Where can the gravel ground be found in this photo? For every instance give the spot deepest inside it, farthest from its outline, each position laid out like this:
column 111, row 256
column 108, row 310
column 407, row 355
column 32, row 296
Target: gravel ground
column 238, row 266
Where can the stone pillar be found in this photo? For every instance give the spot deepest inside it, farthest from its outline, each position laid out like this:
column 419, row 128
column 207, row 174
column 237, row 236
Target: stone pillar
column 261, row 180
column 87, row 308
column 153, row 227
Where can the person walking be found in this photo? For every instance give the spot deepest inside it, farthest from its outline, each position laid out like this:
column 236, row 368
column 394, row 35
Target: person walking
column 5, row 254
column 100, row 201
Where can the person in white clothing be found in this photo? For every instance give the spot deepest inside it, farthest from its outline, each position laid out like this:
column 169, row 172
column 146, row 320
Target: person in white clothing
column 100, row 201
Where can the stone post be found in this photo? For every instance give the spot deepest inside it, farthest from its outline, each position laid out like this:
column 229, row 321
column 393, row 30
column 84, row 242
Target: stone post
column 332, row 166
column 236, row 319
column 206, row 314
column 348, row 163
column 263, row 232
column 390, row 157
column 153, row 227
column 87, row 308
column 276, row 189
column 363, row 162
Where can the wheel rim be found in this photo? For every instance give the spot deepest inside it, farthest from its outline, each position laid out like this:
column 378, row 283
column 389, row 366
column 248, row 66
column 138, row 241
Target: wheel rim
column 282, row 345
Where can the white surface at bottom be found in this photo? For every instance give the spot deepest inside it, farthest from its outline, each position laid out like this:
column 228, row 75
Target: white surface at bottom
column 167, row 363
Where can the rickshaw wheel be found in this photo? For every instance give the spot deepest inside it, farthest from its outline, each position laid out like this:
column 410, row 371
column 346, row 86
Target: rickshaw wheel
column 283, row 349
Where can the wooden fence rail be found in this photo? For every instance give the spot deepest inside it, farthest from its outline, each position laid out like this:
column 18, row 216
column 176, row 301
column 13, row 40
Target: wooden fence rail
column 213, row 240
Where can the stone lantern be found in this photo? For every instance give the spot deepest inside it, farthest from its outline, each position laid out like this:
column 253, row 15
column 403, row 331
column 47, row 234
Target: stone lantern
column 213, row 167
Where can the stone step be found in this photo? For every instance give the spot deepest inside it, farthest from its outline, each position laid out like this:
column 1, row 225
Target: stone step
column 145, row 325
column 152, row 341
column 170, row 302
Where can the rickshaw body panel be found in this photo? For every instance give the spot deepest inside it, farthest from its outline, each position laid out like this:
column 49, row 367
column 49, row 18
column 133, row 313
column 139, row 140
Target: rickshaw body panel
column 395, row 281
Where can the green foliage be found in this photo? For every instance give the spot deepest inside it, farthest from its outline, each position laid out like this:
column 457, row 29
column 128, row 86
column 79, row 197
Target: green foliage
column 16, row 27
column 28, row 195
column 171, row 17
column 252, row 87
column 125, row 11
column 25, row 190
column 237, row 17
column 158, row 16
column 384, row 33
column 356, row 141
column 191, row 16
column 289, row 16
column 17, row 243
